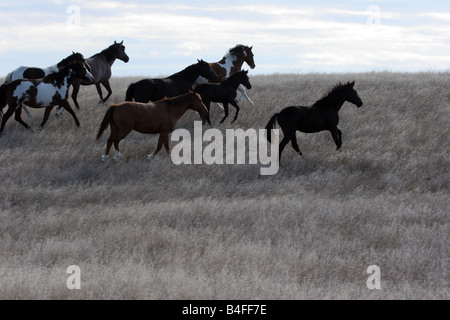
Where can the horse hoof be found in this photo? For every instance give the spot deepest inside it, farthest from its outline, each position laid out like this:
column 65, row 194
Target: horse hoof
column 150, row 157
column 101, row 102
column 105, row 158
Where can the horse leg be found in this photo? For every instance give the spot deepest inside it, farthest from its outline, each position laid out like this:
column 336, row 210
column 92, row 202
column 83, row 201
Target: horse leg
column 46, row 115
column 108, row 88
column 158, row 148
column 234, row 104
column 99, row 91
column 119, row 136
column 6, row 117
column 335, row 132
column 244, row 94
column 225, row 108
column 27, row 111
column 295, row 144
column 76, row 89
column 18, row 118
column 65, row 104
column 282, row 145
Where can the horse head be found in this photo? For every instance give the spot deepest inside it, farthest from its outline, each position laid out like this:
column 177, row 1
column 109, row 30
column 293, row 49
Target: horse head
column 351, row 95
column 245, row 79
column 119, row 51
column 205, row 70
column 198, row 105
column 249, row 57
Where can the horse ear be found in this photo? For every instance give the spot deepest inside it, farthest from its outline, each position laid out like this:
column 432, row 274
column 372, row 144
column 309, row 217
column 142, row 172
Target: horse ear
column 121, row 43
column 251, row 47
column 351, row 84
column 115, row 42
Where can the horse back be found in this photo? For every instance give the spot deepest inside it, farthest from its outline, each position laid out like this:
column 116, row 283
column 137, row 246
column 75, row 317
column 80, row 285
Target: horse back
column 306, row 119
column 140, row 117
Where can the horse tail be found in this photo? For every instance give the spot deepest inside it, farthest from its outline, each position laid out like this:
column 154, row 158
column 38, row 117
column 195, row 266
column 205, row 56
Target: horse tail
column 3, row 99
column 107, row 119
column 130, row 93
column 270, row 126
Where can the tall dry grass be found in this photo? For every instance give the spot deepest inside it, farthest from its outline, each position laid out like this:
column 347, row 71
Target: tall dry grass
column 156, row 230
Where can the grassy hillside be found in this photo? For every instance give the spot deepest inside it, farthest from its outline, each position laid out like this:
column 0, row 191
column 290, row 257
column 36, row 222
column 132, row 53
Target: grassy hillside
column 156, row 230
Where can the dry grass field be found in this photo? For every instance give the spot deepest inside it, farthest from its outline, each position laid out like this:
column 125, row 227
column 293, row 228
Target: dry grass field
column 157, row 230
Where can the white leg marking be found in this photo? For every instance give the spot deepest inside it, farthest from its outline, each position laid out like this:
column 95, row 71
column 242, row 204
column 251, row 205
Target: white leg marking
column 150, row 157
column 117, row 156
column 105, row 157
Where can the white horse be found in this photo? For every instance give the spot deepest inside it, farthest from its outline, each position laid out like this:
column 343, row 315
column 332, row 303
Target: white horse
column 230, row 64
column 31, row 73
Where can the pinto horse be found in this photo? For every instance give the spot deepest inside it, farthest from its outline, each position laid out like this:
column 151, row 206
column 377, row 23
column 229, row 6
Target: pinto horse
column 41, row 93
column 224, row 92
column 39, row 73
column 150, row 118
column 321, row 116
column 179, row 83
column 230, row 64
column 100, row 65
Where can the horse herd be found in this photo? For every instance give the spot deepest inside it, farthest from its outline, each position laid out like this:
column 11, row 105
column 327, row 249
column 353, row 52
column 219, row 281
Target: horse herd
column 154, row 106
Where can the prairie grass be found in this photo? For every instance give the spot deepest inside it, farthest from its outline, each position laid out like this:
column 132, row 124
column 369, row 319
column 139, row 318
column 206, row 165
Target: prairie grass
column 156, row 230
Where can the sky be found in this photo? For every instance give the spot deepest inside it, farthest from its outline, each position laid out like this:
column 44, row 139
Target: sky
column 164, row 37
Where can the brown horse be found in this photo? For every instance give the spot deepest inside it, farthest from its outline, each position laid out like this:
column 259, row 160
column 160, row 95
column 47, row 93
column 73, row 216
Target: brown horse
column 230, row 64
column 150, row 118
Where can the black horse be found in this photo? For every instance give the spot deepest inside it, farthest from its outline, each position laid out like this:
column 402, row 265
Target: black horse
column 321, row 116
column 224, row 92
column 179, row 83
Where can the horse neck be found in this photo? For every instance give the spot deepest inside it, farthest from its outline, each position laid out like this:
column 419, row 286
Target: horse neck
column 331, row 102
column 60, row 78
column 178, row 106
column 109, row 56
column 191, row 73
column 236, row 60
column 233, row 81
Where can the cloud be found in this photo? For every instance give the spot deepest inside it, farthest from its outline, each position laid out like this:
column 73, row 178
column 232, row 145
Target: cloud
column 285, row 36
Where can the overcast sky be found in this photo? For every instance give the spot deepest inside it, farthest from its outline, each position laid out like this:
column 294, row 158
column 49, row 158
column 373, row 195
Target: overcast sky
column 163, row 37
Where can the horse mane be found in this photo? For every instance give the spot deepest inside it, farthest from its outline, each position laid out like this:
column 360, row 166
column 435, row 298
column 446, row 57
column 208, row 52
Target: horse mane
column 332, row 96
column 60, row 74
column 240, row 48
column 108, row 52
column 73, row 58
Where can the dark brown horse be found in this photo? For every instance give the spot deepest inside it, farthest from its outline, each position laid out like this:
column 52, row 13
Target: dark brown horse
column 224, row 92
column 150, row 118
column 181, row 82
column 51, row 91
column 230, row 64
column 321, row 116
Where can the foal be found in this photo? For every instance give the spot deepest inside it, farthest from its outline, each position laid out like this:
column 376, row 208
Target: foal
column 51, row 91
column 154, row 117
column 322, row 115
column 224, row 92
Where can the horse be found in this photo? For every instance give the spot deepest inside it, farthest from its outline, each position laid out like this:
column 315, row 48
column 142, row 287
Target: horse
column 156, row 89
column 224, row 92
column 24, row 72
column 45, row 93
column 321, row 116
column 100, row 64
column 230, row 64
column 148, row 118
